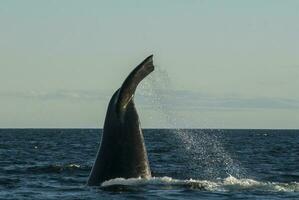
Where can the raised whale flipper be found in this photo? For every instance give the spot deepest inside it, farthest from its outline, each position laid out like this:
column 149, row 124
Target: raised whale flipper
column 122, row 152
column 127, row 90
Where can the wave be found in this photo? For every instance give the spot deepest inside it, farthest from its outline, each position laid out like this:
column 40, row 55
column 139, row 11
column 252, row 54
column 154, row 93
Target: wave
column 44, row 168
column 223, row 185
column 55, row 168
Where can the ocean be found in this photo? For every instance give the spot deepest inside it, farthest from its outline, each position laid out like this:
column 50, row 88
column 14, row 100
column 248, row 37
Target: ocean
column 185, row 163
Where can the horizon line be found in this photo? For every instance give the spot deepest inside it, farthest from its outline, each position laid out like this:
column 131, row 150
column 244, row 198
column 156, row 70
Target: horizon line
column 164, row 128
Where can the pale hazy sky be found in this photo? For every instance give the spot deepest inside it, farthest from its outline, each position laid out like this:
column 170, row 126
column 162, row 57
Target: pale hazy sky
column 219, row 64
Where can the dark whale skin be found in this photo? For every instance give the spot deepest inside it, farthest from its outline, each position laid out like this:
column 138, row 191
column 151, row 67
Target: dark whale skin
column 122, row 152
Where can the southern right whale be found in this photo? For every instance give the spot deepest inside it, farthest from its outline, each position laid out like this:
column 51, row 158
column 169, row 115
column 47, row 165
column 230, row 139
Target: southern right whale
column 122, row 151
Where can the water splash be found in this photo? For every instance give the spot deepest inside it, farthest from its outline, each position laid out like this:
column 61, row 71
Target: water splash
column 227, row 184
column 207, row 154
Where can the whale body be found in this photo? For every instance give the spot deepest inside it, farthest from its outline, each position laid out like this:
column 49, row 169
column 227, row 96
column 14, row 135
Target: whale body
column 122, row 151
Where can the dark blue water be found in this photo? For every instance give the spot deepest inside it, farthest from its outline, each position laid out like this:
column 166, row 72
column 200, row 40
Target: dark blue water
column 186, row 164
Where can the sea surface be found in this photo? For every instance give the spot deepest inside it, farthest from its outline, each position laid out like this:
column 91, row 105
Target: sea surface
column 186, row 164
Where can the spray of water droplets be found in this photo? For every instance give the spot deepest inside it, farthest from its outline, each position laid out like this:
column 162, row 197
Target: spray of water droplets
column 205, row 152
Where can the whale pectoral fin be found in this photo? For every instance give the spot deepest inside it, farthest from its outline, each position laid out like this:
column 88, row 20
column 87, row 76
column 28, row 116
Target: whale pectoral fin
column 127, row 90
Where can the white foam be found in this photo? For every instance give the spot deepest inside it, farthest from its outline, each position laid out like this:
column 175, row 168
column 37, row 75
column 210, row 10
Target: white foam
column 228, row 184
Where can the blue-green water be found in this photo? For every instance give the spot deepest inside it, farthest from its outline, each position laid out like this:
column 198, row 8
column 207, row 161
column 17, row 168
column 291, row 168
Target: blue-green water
column 186, row 164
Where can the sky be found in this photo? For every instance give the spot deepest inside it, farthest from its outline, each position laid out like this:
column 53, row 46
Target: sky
column 219, row 64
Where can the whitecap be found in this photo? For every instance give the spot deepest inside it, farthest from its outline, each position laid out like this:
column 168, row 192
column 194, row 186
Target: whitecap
column 225, row 185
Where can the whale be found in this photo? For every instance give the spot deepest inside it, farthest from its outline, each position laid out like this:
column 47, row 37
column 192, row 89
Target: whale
column 122, row 152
